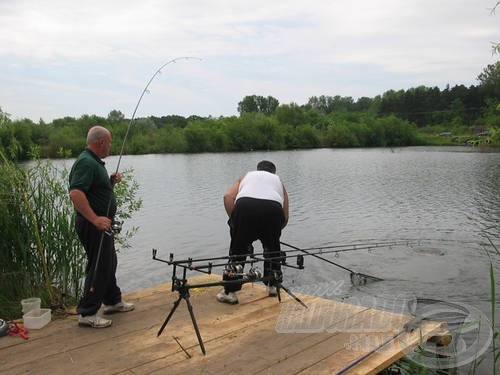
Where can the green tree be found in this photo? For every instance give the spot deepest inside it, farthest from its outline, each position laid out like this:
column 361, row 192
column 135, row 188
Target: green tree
column 173, row 120
column 15, row 137
column 364, row 104
column 329, row 104
column 398, row 132
column 197, row 137
column 341, row 135
column 257, row 103
column 170, row 139
column 290, row 114
column 66, row 137
column 115, row 116
column 307, row 137
column 241, row 132
column 489, row 80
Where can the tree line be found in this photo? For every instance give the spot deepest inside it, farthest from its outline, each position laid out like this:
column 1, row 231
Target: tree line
column 395, row 118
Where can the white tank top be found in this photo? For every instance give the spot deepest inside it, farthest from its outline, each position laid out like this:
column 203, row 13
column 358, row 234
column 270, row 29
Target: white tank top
column 261, row 185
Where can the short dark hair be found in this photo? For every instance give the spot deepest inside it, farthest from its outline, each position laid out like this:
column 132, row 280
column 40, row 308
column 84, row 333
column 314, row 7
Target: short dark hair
column 266, row 165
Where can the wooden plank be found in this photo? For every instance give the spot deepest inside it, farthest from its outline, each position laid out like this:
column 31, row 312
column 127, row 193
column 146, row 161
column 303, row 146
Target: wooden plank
column 259, row 335
column 379, row 356
column 74, row 342
column 334, row 345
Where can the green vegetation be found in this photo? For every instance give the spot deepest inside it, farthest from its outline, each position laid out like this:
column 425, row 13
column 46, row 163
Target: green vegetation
column 495, row 350
column 417, row 116
column 40, row 255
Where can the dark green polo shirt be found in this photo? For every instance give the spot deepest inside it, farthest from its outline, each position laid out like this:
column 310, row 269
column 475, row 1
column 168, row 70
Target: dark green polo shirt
column 89, row 175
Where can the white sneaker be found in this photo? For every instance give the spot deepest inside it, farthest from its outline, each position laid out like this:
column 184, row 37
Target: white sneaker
column 94, row 321
column 272, row 291
column 227, row 298
column 121, row 306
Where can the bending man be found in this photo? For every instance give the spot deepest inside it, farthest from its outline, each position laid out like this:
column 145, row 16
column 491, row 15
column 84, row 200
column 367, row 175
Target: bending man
column 257, row 206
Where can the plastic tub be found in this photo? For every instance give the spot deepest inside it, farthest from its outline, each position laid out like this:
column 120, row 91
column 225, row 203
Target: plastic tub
column 30, row 304
column 36, row 319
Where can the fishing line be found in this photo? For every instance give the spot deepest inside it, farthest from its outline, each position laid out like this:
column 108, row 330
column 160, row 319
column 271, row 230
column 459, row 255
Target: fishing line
column 157, row 72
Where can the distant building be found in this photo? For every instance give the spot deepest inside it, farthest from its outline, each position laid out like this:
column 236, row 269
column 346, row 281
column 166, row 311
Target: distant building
column 478, row 129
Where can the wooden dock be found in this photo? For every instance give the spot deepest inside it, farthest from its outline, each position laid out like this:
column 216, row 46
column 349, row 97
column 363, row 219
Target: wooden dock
column 253, row 337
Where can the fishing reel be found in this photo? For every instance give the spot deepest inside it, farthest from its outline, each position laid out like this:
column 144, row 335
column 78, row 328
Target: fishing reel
column 115, row 228
column 253, row 274
column 234, row 271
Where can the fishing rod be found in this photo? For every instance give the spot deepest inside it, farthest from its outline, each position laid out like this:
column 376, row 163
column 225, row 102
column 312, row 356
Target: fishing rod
column 233, row 274
column 206, row 265
column 235, row 264
column 363, row 245
column 158, row 71
column 408, row 327
column 357, row 278
column 116, row 226
column 317, row 250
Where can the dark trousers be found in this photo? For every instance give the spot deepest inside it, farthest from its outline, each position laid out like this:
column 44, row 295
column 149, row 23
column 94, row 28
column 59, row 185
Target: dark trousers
column 251, row 220
column 100, row 287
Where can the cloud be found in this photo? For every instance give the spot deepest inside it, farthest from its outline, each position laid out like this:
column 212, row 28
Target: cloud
column 289, row 49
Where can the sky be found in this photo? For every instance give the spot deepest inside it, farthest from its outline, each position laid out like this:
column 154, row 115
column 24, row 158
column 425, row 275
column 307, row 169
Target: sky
column 66, row 58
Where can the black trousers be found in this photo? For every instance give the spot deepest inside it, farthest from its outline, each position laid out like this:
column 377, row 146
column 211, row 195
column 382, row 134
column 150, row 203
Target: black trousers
column 256, row 219
column 104, row 288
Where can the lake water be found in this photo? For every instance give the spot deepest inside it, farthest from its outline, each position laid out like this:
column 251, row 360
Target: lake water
column 445, row 197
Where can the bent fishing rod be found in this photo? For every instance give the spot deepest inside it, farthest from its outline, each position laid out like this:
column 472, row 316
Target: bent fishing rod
column 158, row 71
column 116, row 228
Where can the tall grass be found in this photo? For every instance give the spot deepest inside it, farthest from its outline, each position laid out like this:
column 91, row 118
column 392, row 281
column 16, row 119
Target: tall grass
column 40, row 254
column 495, row 350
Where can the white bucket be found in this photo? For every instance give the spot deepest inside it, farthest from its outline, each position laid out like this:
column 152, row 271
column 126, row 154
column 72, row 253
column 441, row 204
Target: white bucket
column 30, row 304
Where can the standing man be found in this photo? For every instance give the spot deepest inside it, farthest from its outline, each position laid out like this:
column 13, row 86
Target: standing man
column 91, row 191
column 257, row 206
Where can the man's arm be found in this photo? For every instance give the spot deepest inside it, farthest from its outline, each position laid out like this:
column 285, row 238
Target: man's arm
column 81, row 204
column 285, row 206
column 230, row 197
